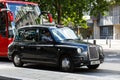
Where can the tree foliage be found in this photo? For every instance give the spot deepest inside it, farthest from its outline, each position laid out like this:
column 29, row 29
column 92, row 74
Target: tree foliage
column 72, row 11
column 113, row 2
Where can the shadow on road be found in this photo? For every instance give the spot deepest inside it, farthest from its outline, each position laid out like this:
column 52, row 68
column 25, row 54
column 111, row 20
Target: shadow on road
column 97, row 72
column 41, row 67
column 4, row 59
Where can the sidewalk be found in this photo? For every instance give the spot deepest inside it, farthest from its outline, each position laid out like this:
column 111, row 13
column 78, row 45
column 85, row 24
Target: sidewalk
column 106, row 44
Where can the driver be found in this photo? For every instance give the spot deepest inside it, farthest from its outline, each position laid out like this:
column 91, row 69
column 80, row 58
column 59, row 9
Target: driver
column 46, row 36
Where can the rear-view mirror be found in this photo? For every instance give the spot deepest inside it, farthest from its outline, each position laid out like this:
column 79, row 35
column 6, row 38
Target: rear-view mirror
column 10, row 16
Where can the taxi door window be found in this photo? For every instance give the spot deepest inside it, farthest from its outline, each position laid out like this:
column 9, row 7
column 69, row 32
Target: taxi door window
column 45, row 35
column 31, row 35
column 19, row 35
column 24, row 35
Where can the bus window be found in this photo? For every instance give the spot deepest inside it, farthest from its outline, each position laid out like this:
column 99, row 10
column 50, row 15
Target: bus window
column 3, row 24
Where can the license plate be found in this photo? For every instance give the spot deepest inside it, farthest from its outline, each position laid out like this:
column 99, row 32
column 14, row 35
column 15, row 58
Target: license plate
column 95, row 62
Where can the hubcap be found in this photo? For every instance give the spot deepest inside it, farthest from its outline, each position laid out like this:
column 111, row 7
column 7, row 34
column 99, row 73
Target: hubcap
column 65, row 63
column 17, row 59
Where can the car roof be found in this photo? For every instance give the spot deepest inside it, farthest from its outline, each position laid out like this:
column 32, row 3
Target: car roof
column 37, row 26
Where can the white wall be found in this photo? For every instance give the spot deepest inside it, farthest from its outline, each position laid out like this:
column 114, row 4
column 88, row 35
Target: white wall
column 116, row 31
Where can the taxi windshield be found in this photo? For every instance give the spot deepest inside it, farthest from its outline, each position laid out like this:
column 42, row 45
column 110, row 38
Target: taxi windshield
column 63, row 34
column 24, row 14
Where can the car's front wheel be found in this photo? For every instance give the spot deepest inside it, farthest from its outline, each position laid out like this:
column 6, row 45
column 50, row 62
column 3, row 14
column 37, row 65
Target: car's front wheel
column 66, row 64
column 93, row 66
column 17, row 60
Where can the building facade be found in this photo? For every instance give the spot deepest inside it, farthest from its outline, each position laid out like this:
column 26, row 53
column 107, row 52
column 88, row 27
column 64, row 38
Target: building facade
column 108, row 26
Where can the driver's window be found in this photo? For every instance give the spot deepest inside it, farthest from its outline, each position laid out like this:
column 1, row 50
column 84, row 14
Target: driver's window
column 45, row 35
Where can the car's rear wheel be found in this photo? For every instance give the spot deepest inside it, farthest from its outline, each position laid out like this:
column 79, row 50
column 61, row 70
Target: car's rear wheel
column 17, row 60
column 93, row 66
column 66, row 64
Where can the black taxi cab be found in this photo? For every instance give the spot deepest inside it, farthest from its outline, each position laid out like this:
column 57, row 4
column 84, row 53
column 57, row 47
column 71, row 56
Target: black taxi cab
column 53, row 45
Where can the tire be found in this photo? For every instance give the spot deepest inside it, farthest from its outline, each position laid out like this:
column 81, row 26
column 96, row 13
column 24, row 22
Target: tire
column 93, row 66
column 66, row 64
column 17, row 60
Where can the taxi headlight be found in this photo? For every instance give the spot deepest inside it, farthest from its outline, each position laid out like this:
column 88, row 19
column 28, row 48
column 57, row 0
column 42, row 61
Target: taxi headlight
column 79, row 50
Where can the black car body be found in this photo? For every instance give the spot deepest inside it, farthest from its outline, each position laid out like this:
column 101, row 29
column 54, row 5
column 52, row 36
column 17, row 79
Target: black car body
column 65, row 50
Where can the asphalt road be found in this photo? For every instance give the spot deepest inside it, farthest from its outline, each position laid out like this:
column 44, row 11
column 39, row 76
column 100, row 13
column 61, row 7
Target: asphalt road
column 109, row 70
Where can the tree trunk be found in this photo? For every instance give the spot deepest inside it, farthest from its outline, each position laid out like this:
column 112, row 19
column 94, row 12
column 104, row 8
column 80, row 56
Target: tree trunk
column 59, row 12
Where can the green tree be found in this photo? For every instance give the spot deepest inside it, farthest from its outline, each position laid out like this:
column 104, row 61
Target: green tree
column 72, row 11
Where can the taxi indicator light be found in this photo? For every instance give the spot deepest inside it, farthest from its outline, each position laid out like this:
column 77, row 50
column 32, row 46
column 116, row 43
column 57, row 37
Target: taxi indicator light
column 50, row 18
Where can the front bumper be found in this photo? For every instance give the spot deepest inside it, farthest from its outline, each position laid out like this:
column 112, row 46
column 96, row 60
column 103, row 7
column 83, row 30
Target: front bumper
column 80, row 61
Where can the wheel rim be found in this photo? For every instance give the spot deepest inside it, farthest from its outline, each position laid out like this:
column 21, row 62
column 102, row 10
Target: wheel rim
column 16, row 59
column 65, row 64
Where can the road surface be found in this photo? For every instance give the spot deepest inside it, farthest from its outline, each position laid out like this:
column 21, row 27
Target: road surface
column 109, row 70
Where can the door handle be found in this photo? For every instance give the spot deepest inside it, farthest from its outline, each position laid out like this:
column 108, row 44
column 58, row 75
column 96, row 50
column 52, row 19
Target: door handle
column 38, row 48
column 22, row 47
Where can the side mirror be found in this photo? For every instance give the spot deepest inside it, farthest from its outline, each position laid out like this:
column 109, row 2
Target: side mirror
column 9, row 13
column 10, row 16
column 50, row 17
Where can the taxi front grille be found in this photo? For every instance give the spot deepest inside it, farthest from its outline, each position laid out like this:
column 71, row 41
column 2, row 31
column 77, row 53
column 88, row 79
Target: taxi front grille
column 93, row 54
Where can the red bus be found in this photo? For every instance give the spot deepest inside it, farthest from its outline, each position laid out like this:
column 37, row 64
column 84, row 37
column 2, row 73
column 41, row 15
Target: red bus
column 14, row 14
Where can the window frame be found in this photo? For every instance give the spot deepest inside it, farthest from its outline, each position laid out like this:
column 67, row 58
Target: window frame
column 23, row 38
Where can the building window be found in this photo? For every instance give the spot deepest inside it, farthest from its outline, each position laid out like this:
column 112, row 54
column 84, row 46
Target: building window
column 106, row 32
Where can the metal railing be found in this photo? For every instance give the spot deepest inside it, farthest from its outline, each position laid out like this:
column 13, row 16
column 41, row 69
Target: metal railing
column 109, row 20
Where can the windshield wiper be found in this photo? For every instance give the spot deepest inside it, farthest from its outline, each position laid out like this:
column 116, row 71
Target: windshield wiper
column 68, row 39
